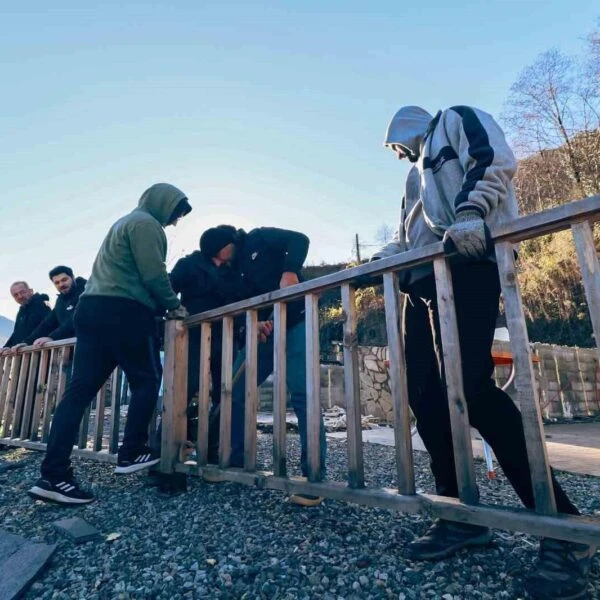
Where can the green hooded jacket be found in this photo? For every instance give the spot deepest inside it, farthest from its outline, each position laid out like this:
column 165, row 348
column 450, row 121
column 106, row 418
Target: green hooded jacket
column 131, row 261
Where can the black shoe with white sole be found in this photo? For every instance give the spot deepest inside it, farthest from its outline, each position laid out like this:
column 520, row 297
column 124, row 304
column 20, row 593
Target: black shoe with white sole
column 144, row 459
column 66, row 491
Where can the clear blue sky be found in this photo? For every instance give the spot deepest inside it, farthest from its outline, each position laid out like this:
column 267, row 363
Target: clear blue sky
column 263, row 113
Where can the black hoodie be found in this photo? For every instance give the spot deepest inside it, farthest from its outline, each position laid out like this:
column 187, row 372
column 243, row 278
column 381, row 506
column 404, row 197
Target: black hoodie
column 58, row 325
column 29, row 317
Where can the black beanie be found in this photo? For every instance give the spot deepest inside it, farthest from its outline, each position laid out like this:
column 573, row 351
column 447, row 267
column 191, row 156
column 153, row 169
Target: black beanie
column 216, row 238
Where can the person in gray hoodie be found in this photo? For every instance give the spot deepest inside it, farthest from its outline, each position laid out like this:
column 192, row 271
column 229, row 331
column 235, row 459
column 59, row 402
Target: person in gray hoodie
column 460, row 184
column 115, row 326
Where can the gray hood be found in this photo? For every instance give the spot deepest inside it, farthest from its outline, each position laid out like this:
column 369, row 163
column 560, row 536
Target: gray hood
column 408, row 128
column 160, row 200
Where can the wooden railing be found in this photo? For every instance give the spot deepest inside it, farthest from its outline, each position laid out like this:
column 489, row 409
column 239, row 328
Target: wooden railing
column 577, row 216
column 32, row 381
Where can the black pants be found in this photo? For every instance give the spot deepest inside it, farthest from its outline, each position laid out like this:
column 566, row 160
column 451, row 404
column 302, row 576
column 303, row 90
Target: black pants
column 110, row 332
column 491, row 411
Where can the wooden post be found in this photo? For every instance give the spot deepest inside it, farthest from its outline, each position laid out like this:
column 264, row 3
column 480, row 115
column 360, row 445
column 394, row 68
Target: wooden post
column 251, row 391
column 590, row 271
column 204, row 393
column 115, row 410
column 99, row 422
column 356, row 468
column 25, row 432
column 313, row 387
column 459, row 416
column 226, row 388
column 279, row 388
column 9, row 412
column 20, row 398
column 174, row 416
column 543, row 492
column 6, row 370
column 398, row 386
column 40, row 392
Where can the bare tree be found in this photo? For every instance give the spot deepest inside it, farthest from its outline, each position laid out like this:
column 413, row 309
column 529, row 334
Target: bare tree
column 384, row 234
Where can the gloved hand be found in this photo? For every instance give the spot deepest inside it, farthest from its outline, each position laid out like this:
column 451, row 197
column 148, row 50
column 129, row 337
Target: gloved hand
column 468, row 234
column 178, row 313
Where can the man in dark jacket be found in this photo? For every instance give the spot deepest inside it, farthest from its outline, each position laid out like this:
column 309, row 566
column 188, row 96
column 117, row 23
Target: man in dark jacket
column 58, row 325
column 268, row 259
column 114, row 324
column 34, row 309
column 205, row 280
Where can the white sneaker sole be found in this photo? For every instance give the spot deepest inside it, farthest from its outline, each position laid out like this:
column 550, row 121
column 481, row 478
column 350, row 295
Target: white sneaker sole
column 133, row 468
column 42, row 494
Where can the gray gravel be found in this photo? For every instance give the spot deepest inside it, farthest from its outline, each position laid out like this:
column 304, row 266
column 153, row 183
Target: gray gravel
column 231, row 541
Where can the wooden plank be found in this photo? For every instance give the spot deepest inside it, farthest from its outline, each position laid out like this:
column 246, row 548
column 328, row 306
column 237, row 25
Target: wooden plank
column 84, row 427
column 40, row 393
column 204, row 393
column 313, row 387
column 251, row 403
column 226, row 388
column 279, row 388
column 99, row 420
column 590, row 272
column 21, row 561
column 543, row 492
column 398, row 386
column 20, row 397
column 115, row 410
column 6, row 370
column 174, row 416
column 356, row 468
column 11, row 394
column 459, row 415
column 53, row 388
column 25, row 430
column 555, row 219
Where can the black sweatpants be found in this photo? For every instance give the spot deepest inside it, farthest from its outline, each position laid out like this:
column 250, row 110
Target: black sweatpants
column 110, row 331
column 491, row 411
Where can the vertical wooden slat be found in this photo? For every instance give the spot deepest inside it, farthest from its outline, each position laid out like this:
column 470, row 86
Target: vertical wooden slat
column 398, row 386
column 174, row 421
column 590, row 271
column 40, row 392
column 6, row 370
column 25, row 432
column 84, row 427
column 525, row 380
column 313, row 387
column 226, row 387
column 115, row 410
column 279, row 388
column 356, row 470
column 20, row 397
column 459, row 417
column 51, row 388
column 251, row 404
column 99, row 421
column 204, row 393
column 11, row 395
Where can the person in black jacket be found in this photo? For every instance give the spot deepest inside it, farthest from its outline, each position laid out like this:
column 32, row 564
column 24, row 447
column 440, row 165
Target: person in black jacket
column 205, row 280
column 268, row 259
column 58, row 325
column 34, row 309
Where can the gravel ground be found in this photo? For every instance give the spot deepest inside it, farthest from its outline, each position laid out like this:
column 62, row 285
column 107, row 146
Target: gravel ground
column 231, row 541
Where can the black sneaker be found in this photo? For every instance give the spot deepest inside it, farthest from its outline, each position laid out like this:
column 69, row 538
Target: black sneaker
column 445, row 538
column 144, row 459
column 63, row 492
column 561, row 572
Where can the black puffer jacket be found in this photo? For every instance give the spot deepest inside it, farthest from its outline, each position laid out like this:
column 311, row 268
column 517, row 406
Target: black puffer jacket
column 28, row 318
column 58, row 325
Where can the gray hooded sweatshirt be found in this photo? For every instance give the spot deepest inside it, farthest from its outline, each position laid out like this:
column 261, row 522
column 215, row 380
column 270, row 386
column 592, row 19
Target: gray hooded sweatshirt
column 131, row 261
column 464, row 164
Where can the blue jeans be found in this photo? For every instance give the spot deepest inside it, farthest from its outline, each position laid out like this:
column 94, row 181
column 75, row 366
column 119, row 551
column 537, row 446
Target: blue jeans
column 296, row 384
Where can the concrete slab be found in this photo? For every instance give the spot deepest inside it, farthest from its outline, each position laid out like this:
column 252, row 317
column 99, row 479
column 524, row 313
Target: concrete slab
column 77, row 530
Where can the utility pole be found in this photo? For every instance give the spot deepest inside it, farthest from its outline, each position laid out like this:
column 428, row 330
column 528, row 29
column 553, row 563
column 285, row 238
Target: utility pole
column 357, row 248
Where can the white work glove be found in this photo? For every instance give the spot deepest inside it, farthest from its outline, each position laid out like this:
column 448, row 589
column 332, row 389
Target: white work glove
column 468, row 235
column 178, row 313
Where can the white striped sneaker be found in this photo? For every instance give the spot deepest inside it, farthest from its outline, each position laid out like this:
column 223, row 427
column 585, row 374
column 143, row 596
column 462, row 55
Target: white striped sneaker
column 63, row 492
column 143, row 460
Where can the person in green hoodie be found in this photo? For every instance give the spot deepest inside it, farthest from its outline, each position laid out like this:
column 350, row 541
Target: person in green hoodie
column 114, row 325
